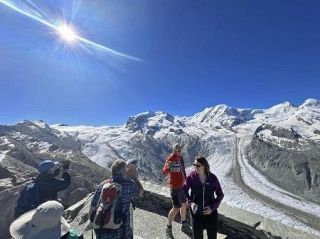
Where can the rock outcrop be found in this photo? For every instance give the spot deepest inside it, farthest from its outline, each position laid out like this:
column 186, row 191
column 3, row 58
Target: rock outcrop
column 23, row 146
column 287, row 160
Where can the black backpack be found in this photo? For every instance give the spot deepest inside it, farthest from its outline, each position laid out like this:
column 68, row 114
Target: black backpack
column 29, row 199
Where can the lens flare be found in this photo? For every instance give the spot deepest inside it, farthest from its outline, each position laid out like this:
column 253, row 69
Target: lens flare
column 67, row 33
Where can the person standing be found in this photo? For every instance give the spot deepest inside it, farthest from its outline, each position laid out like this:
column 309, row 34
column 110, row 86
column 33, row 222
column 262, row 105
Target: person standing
column 49, row 181
column 175, row 170
column 125, row 175
column 205, row 198
column 45, row 186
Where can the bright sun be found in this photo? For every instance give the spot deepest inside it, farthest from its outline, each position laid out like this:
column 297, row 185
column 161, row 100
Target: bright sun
column 67, row 33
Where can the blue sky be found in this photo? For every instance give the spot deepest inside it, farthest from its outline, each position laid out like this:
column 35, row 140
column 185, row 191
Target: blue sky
column 195, row 54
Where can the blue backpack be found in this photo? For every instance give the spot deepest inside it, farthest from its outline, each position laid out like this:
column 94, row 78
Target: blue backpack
column 29, row 199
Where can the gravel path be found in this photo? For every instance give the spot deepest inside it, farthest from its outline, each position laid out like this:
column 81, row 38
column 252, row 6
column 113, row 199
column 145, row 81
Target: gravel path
column 149, row 225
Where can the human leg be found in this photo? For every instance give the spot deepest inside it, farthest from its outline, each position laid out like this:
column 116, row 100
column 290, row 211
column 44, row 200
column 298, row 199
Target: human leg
column 172, row 214
column 197, row 229
column 183, row 211
column 176, row 204
column 212, row 226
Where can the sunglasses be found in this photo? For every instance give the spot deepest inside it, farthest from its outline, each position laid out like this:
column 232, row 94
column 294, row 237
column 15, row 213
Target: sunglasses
column 197, row 165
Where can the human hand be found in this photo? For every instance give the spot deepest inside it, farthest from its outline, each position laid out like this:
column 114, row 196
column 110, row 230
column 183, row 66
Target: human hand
column 207, row 210
column 131, row 171
column 141, row 193
column 66, row 164
column 56, row 172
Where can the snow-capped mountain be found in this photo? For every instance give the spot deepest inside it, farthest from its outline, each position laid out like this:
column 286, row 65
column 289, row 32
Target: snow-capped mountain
column 267, row 160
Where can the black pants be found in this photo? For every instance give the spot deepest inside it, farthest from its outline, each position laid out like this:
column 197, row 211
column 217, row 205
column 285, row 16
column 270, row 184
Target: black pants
column 209, row 223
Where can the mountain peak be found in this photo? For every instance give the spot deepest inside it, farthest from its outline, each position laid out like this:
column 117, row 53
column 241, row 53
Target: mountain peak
column 310, row 103
column 216, row 112
column 223, row 115
column 149, row 119
column 281, row 108
column 34, row 125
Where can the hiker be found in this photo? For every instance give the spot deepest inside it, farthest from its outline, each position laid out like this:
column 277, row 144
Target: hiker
column 45, row 186
column 206, row 195
column 49, row 183
column 125, row 183
column 175, row 171
column 45, row 221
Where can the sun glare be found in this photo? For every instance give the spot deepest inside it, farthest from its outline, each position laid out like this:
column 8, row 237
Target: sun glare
column 67, row 33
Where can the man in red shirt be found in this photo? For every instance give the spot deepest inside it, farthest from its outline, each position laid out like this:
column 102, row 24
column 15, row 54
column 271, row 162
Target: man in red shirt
column 175, row 171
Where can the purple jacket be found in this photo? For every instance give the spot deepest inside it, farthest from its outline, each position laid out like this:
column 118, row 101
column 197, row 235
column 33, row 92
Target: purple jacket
column 208, row 194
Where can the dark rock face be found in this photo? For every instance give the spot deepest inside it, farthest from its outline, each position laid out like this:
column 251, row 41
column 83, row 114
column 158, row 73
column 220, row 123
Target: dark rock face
column 293, row 164
column 278, row 132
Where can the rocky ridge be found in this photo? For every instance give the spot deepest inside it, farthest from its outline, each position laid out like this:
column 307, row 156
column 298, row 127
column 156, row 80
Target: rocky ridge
column 22, row 148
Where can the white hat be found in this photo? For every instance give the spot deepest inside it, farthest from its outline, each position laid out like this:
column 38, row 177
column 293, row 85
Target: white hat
column 45, row 221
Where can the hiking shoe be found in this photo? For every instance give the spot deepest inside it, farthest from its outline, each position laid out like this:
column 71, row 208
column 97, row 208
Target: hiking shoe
column 186, row 229
column 169, row 233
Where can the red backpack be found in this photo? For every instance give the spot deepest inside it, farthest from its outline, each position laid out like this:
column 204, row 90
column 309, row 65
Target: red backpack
column 108, row 214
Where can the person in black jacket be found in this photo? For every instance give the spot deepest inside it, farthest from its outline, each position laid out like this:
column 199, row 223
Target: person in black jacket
column 205, row 198
column 48, row 181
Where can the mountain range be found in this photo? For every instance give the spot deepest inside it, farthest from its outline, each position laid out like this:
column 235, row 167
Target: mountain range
column 267, row 160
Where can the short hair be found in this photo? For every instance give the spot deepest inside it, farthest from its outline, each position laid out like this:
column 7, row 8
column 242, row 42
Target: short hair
column 202, row 160
column 118, row 167
column 177, row 147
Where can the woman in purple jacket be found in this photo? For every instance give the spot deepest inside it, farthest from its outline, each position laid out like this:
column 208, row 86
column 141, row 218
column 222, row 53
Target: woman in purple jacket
column 206, row 195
